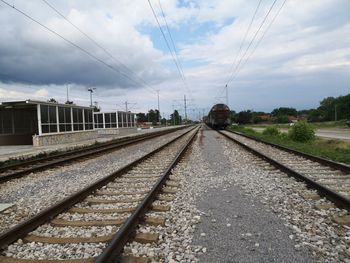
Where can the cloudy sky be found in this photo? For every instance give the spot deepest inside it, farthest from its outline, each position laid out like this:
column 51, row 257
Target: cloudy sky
column 298, row 56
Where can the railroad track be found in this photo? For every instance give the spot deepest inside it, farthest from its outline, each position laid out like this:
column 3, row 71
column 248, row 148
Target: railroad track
column 20, row 169
column 103, row 217
column 330, row 179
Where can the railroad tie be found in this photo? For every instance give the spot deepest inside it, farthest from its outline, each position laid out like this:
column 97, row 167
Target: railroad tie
column 121, row 193
column 167, row 190
column 342, row 220
column 311, row 196
column 62, row 222
column 160, row 208
column 324, row 206
column 83, row 260
column 83, row 210
column 110, row 201
column 140, row 238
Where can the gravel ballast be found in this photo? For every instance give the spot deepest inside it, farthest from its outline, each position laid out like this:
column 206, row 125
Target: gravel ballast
column 232, row 207
column 34, row 192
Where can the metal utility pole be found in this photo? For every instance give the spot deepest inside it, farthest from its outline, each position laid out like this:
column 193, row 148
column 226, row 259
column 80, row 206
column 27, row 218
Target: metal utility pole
column 126, row 106
column 226, row 95
column 335, row 112
column 158, row 106
column 67, row 86
column 165, row 119
column 173, row 114
column 91, row 90
column 185, row 103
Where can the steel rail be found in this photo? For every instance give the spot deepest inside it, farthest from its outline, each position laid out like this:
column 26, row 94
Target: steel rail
column 338, row 199
column 22, row 229
column 50, row 161
column 339, row 166
column 114, row 250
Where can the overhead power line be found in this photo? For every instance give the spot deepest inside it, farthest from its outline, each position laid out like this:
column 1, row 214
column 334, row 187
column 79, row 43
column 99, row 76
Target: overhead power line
column 263, row 35
column 167, row 44
column 70, row 42
column 243, row 40
column 251, row 42
column 174, row 47
column 97, row 44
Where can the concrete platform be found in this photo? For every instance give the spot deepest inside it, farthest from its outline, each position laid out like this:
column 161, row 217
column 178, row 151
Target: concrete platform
column 26, row 151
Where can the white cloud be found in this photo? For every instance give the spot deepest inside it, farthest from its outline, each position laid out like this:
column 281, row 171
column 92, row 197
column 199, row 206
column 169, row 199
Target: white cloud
column 306, row 49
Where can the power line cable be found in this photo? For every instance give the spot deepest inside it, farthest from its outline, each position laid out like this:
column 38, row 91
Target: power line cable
column 251, row 42
column 263, row 35
column 70, row 42
column 244, row 38
column 96, row 43
column 174, row 47
column 167, row 43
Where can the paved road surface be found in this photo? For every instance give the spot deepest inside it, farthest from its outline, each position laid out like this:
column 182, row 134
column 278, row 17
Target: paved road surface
column 334, row 133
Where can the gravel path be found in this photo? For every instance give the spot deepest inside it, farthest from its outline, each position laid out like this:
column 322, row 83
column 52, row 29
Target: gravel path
column 236, row 226
column 34, row 192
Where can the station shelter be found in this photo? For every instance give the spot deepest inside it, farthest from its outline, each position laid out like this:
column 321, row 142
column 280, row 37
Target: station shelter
column 21, row 121
column 118, row 119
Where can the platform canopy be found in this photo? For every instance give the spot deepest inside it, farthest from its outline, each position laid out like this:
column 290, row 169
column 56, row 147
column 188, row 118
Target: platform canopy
column 116, row 119
column 48, row 117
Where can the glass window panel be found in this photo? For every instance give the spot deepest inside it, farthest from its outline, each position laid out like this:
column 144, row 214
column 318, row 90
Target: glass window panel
column 113, row 117
column 107, row 117
column 44, row 112
column 80, row 115
column 67, row 115
column 45, row 128
column 68, row 127
column 1, row 126
column 62, row 128
column 75, row 127
column 52, row 114
column 100, row 119
column 75, row 116
column 108, row 125
column 53, row 128
column 7, row 121
column 61, row 117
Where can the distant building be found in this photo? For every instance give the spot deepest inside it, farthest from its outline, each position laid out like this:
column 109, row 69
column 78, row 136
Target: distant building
column 264, row 117
column 44, row 123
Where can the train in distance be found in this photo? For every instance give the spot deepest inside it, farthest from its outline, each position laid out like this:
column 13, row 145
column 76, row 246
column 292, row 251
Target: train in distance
column 218, row 117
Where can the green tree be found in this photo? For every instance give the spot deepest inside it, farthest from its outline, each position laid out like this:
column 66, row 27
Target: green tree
column 141, row 117
column 282, row 119
column 284, row 111
column 52, row 100
column 175, row 118
column 244, row 117
column 233, row 116
column 153, row 116
column 327, row 108
column 302, row 132
column 314, row 115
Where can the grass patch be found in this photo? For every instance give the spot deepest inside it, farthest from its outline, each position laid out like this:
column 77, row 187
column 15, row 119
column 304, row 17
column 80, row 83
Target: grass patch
column 335, row 150
column 330, row 124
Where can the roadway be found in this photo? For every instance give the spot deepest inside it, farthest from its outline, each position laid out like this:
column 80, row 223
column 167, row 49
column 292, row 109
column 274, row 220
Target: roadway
column 330, row 133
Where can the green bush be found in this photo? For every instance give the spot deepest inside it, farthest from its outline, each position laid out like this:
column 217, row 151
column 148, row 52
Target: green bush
column 271, row 130
column 302, row 132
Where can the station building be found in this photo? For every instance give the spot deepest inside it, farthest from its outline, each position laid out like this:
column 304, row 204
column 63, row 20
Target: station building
column 46, row 123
